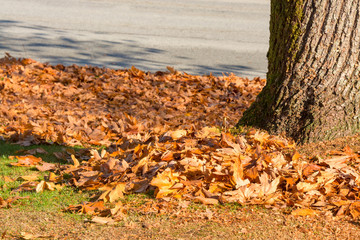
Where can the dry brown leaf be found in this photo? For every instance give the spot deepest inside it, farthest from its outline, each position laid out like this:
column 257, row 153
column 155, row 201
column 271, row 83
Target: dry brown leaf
column 46, row 167
column 337, row 162
column 26, row 235
column 33, row 177
column 113, row 193
column 310, row 168
column 238, row 175
column 27, row 186
column 103, row 220
column 207, row 201
column 177, row 134
column 45, row 186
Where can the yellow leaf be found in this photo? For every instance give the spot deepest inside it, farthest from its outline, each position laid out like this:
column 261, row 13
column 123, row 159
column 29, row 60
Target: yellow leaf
column 45, row 186
column 164, row 181
column 40, row 187
column 306, row 186
column 33, row 177
column 118, row 209
column 117, row 192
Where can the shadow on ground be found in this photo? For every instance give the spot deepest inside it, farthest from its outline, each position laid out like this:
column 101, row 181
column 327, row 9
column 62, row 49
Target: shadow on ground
column 58, row 46
column 8, row 148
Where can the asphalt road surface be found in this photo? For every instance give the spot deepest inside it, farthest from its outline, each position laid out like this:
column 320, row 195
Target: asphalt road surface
column 197, row 36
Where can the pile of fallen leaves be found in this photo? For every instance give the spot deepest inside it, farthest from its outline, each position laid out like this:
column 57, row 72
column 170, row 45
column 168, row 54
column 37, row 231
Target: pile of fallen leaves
column 88, row 105
column 157, row 129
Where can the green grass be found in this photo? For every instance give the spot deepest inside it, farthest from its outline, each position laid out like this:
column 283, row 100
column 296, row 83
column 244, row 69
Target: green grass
column 52, row 201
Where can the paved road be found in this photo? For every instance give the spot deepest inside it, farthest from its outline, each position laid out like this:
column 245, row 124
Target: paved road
column 198, row 36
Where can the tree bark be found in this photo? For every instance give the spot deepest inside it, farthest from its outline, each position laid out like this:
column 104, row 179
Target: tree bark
column 313, row 88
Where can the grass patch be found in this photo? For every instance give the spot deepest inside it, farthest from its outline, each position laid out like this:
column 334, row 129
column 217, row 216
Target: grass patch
column 48, row 201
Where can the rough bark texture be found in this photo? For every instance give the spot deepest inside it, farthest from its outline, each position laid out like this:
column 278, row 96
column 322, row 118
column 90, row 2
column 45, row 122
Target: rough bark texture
column 313, row 87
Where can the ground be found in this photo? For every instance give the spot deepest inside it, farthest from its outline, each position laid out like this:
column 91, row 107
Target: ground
column 78, row 136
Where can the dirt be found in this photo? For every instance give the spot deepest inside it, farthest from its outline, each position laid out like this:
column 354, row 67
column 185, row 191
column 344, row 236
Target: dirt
column 246, row 223
column 325, row 147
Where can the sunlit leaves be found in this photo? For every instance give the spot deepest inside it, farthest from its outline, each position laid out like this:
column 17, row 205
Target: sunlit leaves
column 165, row 134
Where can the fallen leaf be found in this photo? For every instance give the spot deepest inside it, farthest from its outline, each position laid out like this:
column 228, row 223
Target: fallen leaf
column 8, row 179
column 46, row 167
column 103, row 220
column 304, row 212
column 207, row 201
column 26, row 161
column 355, row 210
column 75, row 161
column 26, row 235
column 177, row 134
column 45, row 186
column 33, row 177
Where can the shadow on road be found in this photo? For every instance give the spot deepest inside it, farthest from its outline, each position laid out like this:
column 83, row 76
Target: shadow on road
column 58, row 46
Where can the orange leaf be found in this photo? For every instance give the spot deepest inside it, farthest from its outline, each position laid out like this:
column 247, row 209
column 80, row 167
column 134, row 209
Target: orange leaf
column 310, row 168
column 355, row 210
column 295, row 156
column 167, row 156
column 304, row 212
column 75, row 161
column 8, row 179
column 27, row 161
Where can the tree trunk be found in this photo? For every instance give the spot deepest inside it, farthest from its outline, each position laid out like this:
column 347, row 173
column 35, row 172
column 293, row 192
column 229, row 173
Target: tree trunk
column 313, row 88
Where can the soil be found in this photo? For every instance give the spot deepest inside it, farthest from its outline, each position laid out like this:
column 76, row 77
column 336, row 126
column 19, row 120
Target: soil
column 247, row 223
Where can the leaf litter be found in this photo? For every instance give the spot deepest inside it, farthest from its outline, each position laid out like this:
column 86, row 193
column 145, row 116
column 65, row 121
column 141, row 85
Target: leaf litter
column 165, row 133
